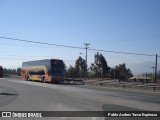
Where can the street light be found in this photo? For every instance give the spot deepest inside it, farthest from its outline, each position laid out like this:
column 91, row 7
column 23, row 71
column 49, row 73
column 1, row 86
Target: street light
column 82, row 54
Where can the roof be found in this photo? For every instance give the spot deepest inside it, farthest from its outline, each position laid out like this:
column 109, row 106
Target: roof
column 140, row 78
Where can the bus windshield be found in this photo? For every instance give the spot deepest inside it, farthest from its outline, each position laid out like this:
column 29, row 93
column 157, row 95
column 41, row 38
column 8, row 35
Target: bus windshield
column 57, row 72
column 57, row 63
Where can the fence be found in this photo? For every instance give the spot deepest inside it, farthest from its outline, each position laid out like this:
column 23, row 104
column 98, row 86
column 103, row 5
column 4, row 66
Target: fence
column 124, row 85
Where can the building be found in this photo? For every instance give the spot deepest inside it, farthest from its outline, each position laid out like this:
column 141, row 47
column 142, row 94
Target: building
column 140, row 79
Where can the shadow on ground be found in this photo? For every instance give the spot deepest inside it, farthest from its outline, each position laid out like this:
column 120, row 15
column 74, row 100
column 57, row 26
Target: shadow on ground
column 8, row 94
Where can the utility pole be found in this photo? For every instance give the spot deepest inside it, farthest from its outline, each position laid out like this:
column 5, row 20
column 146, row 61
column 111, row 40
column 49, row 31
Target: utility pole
column 84, row 70
column 86, row 44
column 146, row 78
column 153, row 74
column 114, row 74
column 155, row 79
column 114, row 70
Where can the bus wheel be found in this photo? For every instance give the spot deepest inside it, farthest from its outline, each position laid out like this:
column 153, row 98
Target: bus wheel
column 27, row 78
column 44, row 80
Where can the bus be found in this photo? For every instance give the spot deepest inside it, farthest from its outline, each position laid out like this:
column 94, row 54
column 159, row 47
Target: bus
column 48, row 70
column 1, row 71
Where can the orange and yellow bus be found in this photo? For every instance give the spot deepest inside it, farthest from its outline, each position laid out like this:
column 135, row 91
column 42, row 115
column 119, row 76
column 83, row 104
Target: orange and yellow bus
column 48, row 70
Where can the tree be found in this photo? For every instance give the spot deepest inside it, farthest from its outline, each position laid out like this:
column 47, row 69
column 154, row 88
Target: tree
column 121, row 72
column 113, row 73
column 151, row 75
column 9, row 71
column 158, row 75
column 80, row 66
column 78, row 70
column 100, row 67
column 70, row 72
column 18, row 71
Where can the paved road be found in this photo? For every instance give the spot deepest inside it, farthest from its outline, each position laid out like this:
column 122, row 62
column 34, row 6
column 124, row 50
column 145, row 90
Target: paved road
column 20, row 95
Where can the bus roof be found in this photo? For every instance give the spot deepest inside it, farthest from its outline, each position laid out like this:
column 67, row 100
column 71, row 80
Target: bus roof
column 45, row 62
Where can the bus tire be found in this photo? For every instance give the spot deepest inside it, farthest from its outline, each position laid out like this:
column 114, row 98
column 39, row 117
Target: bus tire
column 27, row 78
column 44, row 80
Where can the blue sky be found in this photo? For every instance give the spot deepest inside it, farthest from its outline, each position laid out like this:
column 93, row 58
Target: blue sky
column 118, row 25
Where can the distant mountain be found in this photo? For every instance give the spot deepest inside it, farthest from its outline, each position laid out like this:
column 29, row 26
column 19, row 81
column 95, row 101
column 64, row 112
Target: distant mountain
column 139, row 68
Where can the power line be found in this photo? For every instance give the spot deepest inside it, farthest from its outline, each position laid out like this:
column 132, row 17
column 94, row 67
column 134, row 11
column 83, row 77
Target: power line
column 44, row 43
column 20, row 45
column 15, row 59
column 122, row 52
column 82, row 48
column 68, row 60
column 126, row 40
column 24, row 56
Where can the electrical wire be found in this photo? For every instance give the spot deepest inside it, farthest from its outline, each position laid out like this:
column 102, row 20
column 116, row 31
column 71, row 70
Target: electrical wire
column 122, row 52
column 44, row 43
column 16, row 59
